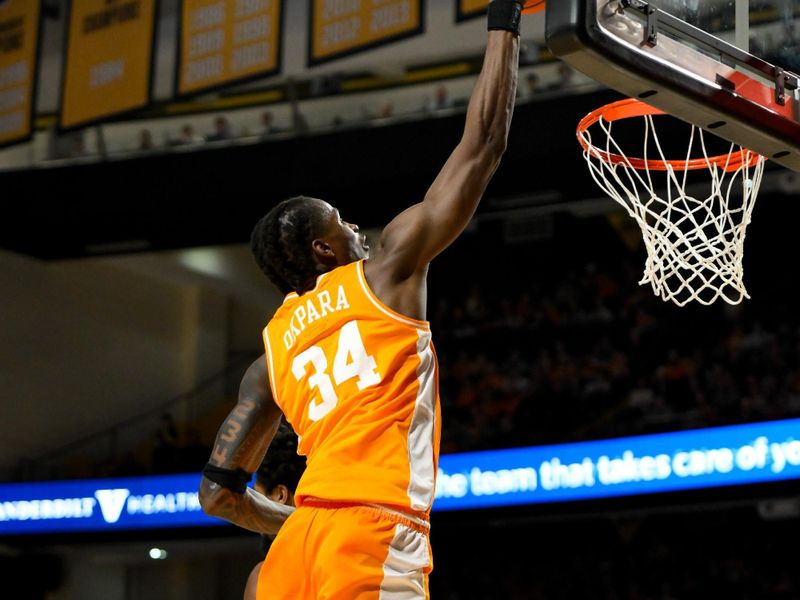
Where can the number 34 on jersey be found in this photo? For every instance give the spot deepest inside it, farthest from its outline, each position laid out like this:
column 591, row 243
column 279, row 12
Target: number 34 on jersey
column 350, row 361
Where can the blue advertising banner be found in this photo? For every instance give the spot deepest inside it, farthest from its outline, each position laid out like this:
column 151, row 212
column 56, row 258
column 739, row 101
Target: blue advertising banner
column 684, row 460
column 102, row 505
column 649, row 464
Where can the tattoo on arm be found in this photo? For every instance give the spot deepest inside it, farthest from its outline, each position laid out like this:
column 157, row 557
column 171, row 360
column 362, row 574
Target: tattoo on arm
column 241, row 443
column 244, row 436
column 229, row 437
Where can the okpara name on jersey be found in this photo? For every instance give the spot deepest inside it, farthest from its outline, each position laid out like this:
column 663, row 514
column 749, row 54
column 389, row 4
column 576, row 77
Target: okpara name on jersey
column 315, row 307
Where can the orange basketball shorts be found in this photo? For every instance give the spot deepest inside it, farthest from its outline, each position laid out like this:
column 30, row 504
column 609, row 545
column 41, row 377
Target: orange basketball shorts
column 347, row 551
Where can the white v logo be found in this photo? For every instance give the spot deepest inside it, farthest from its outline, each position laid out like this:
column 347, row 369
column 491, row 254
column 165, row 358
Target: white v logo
column 111, row 503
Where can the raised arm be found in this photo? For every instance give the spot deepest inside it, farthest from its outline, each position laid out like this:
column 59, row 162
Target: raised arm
column 238, row 450
column 421, row 232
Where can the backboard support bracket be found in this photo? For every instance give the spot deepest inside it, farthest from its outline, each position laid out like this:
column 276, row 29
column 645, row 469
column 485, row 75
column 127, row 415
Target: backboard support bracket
column 657, row 20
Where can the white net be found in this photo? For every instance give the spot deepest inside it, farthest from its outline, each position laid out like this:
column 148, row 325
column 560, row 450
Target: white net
column 694, row 234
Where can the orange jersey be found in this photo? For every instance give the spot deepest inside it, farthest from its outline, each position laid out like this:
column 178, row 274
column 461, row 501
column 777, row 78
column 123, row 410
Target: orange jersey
column 359, row 384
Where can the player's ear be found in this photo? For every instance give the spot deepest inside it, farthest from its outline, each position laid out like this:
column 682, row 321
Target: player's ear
column 282, row 494
column 323, row 251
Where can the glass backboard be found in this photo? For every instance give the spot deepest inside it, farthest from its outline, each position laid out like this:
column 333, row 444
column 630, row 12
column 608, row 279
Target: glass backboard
column 728, row 66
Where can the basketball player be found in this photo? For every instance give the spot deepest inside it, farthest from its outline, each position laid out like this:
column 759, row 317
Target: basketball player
column 277, row 479
column 350, row 364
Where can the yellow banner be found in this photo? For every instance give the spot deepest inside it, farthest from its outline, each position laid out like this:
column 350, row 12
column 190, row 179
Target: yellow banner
column 19, row 32
column 341, row 27
column 471, row 8
column 227, row 40
column 108, row 62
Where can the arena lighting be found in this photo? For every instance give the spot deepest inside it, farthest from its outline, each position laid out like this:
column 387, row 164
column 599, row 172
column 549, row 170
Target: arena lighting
column 648, row 464
column 157, row 553
column 206, row 261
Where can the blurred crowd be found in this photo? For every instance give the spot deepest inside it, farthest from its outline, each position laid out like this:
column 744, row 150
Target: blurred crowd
column 729, row 554
column 591, row 354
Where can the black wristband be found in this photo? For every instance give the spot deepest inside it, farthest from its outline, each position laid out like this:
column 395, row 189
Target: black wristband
column 505, row 14
column 235, row 480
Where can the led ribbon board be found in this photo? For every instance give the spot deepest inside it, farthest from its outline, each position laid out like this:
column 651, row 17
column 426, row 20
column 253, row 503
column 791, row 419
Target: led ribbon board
column 685, row 460
column 19, row 41
column 102, row 505
column 226, row 41
column 108, row 60
column 342, row 27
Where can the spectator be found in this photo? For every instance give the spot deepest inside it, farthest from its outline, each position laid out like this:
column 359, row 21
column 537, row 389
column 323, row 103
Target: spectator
column 267, row 124
column 78, row 144
column 387, row 110
column 442, row 99
column 222, row 130
column 146, row 140
column 186, row 137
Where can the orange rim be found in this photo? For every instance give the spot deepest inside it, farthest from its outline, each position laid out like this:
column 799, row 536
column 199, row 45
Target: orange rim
column 626, row 109
column 533, row 6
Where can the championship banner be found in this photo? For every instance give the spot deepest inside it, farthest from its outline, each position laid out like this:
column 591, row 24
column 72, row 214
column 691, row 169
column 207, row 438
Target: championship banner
column 19, row 43
column 466, row 9
column 226, row 41
column 108, row 60
column 342, row 27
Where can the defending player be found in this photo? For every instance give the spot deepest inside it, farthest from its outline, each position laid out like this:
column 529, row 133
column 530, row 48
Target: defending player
column 277, row 479
column 351, row 365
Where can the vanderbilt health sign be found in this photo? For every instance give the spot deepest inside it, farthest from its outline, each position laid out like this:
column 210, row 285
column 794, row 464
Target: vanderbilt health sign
column 102, row 504
column 684, row 460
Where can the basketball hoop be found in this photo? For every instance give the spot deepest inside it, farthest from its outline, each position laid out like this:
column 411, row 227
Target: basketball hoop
column 694, row 241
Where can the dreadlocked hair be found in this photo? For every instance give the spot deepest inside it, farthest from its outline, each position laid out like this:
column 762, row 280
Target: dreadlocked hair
column 281, row 242
column 282, row 464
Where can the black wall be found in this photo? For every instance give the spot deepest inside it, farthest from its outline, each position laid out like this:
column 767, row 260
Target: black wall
column 214, row 196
